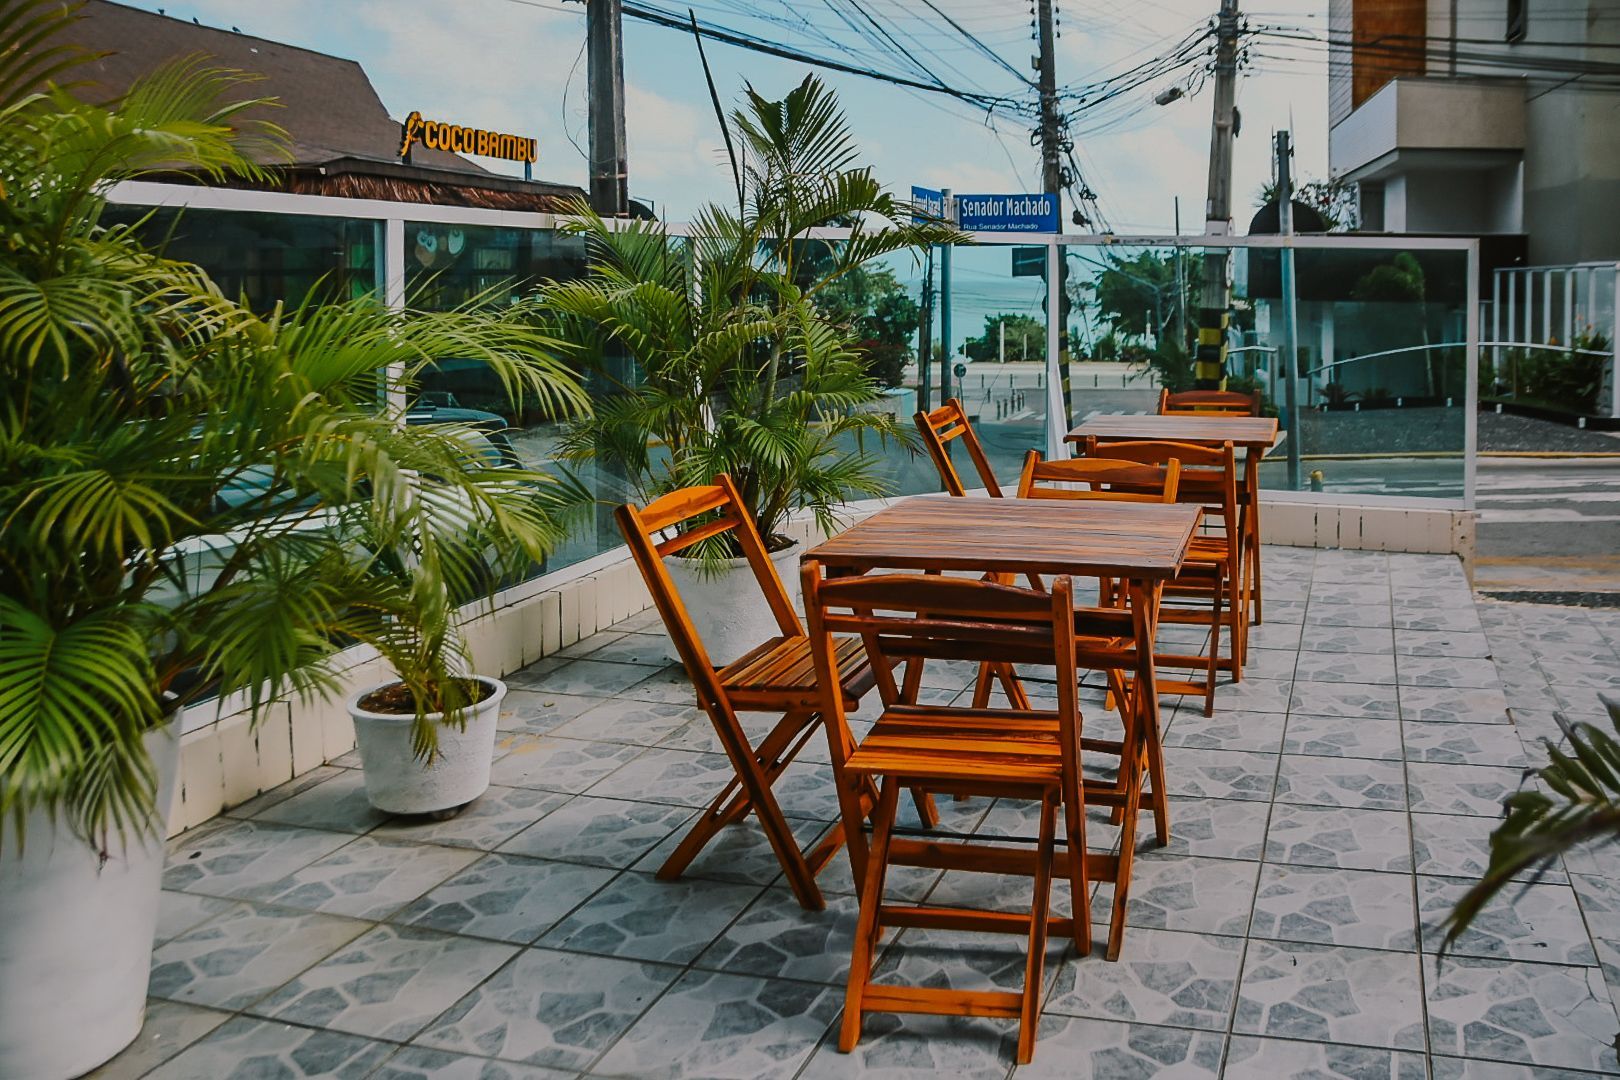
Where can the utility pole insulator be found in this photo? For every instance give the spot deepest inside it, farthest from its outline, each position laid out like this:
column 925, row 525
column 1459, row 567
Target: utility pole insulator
column 610, row 173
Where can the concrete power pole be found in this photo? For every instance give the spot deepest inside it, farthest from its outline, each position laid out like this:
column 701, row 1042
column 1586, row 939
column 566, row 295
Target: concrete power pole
column 1213, row 298
column 1052, row 182
column 604, row 38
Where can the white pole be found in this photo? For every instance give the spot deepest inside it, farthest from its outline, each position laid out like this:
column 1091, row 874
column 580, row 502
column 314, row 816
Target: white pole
column 1614, row 341
column 1057, row 413
column 1471, row 390
column 1003, row 325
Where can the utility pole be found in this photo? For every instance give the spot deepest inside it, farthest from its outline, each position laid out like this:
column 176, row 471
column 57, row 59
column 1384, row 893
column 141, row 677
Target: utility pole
column 604, row 38
column 1181, row 285
column 925, row 334
column 1290, row 309
column 946, row 356
column 1052, row 146
column 1213, row 298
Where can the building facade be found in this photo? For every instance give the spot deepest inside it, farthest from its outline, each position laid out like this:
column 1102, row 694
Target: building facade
column 1481, row 117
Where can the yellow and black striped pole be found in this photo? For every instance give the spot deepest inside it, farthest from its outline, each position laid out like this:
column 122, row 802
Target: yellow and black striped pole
column 1209, row 361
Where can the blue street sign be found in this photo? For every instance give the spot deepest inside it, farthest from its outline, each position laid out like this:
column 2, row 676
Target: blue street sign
column 927, row 204
column 1007, row 213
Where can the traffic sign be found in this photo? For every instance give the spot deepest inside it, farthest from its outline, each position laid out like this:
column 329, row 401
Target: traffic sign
column 1008, row 213
column 1028, row 262
column 927, row 204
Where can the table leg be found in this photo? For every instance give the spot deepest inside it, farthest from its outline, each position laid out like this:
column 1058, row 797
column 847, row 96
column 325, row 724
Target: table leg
column 1251, row 571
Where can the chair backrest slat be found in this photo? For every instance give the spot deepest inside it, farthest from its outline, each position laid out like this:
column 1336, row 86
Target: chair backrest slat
column 939, row 429
column 1106, row 480
column 1209, row 474
column 1208, row 402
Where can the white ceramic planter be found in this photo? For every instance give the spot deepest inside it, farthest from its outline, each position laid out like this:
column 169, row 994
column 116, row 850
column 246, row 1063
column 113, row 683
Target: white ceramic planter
column 397, row 783
column 76, row 938
column 727, row 609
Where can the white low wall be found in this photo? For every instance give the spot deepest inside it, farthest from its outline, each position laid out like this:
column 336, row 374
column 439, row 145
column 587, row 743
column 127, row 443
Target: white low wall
column 226, row 760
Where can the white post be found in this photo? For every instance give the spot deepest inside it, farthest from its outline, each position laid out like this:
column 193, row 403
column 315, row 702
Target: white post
column 393, row 261
column 1003, row 325
column 1614, row 342
column 1569, row 307
column 1057, row 411
column 1471, row 389
column 1496, row 325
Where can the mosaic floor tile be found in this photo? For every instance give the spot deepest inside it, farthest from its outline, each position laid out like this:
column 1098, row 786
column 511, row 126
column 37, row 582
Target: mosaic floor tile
column 1181, row 892
column 1470, row 643
column 237, row 958
column 1339, row 736
column 544, row 761
column 919, row 1048
column 1409, row 617
column 1222, row 828
column 368, row 879
column 496, row 816
column 1601, row 860
column 179, row 912
column 668, row 776
column 1275, row 635
column 506, row 897
column 1599, row 899
column 169, row 1028
column 1583, row 702
column 718, row 1027
column 1290, row 611
column 1266, row 663
column 1598, row 676
column 741, row 852
column 670, row 684
column 1375, row 640
column 1250, row 1058
column 1344, row 699
column 593, row 678
column 777, row 937
column 1464, row 744
column 640, row 722
column 1332, row 906
column 247, row 1049
column 1329, row 993
column 1457, row 845
column 640, row 917
column 1351, row 838
column 240, row 858
column 536, row 711
column 647, row 650
column 318, row 775
column 1371, row 616
column 420, row 1063
column 1252, row 695
column 1461, row 789
column 695, row 735
column 549, row 1008
column 805, row 790
column 1331, row 781
column 1537, row 1014
column 1348, row 592
column 1163, row 977
column 1344, row 668
column 1220, row 774
column 600, row 832
column 1085, row 1049
column 1450, row 1068
column 1226, row 730
column 1539, row 922
column 388, row 984
column 1453, row 671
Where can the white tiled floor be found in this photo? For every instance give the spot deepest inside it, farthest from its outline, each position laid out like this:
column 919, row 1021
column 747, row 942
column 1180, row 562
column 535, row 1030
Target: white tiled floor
column 1322, row 821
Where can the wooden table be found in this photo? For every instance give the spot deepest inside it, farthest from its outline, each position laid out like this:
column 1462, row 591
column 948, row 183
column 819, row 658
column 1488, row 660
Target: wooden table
column 1255, row 435
column 1141, row 545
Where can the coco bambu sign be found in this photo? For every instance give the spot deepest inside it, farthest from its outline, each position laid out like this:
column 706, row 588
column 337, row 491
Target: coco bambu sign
column 464, row 140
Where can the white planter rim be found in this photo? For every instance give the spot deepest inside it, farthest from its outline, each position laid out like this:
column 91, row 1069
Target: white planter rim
column 495, row 686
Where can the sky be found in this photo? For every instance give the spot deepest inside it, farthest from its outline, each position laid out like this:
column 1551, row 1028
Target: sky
column 517, row 66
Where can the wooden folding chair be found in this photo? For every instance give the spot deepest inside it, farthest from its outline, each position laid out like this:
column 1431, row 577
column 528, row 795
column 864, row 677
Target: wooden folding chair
column 1011, row 753
column 1214, row 566
column 778, row 675
column 947, row 424
column 1208, row 403
column 1230, row 403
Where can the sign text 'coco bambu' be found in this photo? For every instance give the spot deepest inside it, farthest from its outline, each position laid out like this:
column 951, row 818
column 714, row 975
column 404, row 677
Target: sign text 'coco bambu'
column 464, row 140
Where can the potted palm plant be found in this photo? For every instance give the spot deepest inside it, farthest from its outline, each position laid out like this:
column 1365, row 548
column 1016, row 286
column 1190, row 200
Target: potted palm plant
column 718, row 357
column 179, row 481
